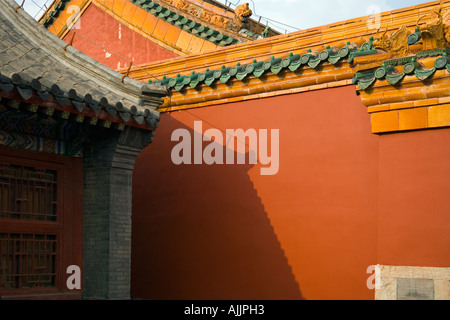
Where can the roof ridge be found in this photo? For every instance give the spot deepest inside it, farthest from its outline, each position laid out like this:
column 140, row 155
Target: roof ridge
column 354, row 29
column 59, row 48
column 130, row 96
column 197, row 29
column 160, row 11
column 314, row 59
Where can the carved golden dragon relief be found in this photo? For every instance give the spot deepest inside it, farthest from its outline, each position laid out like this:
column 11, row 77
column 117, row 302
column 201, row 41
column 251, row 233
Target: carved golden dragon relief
column 396, row 45
column 446, row 22
column 239, row 21
column 436, row 33
column 199, row 12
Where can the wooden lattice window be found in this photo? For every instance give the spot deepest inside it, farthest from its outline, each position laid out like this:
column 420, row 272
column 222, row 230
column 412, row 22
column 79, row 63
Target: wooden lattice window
column 40, row 222
column 27, row 260
column 28, row 193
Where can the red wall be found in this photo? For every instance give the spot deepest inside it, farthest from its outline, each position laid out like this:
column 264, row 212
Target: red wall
column 343, row 199
column 226, row 232
column 414, row 201
column 99, row 32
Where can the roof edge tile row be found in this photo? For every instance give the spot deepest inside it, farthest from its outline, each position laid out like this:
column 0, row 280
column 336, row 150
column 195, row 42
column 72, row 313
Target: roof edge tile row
column 337, row 34
column 101, row 93
column 200, row 30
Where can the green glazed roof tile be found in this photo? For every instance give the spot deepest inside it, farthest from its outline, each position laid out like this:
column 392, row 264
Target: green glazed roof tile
column 225, row 74
column 211, row 32
column 209, row 77
column 344, row 51
column 242, row 72
column 395, row 78
column 432, row 53
column 176, row 82
column 380, row 73
column 259, row 71
column 425, row 73
column 165, row 14
column 325, row 54
column 222, row 71
column 441, row 62
column 293, row 61
column 295, row 65
column 251, row 67
column 409, row 68
column 368, row 46
column 415, row 37
column 360, row 75
column 314, row 62
column 192, row 77
column 196, row 79
column 275, row 65
column 234, row 70
column 172, row 18
column 305, row 58
column 286, row 62
column 334, row 59
column 366, row 82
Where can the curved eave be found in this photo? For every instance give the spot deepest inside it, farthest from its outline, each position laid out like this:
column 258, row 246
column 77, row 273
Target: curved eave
column 143, row 17
column 318, row 38
column 261, row 69
column 88, row 109
column 67, row 80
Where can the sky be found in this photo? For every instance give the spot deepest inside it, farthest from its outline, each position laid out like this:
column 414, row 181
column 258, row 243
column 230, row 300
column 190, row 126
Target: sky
column 303, row 14
column 291, row 15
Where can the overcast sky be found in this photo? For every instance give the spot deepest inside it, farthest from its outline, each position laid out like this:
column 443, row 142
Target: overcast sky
column 299, row 14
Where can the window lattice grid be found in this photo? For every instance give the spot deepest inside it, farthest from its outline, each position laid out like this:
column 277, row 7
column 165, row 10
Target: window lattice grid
column 28, row 193
column 27, row 260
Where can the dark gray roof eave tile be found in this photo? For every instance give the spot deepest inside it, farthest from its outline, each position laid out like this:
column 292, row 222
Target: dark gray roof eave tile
column 28, row 48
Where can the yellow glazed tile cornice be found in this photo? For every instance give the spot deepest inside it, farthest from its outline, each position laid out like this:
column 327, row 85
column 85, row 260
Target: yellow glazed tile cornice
column 398, row 102
column 336, row 34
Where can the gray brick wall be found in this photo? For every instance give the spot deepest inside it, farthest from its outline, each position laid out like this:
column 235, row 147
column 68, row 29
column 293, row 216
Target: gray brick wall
column 108, row 169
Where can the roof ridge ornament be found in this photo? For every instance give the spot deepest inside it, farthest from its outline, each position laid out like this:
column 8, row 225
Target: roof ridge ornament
column 396, row 45
column 436, row 33
column 240, row 20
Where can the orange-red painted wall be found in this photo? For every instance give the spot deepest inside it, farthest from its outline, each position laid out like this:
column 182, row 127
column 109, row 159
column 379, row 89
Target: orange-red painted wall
column 108, row 41
column 343, row 199
column 414, row 201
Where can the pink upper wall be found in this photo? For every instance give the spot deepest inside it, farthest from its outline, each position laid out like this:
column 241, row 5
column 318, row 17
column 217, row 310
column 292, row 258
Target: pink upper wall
column 99, row 35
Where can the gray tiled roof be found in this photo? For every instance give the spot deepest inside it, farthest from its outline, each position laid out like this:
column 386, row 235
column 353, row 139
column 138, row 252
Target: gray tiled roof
column 36, row 63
